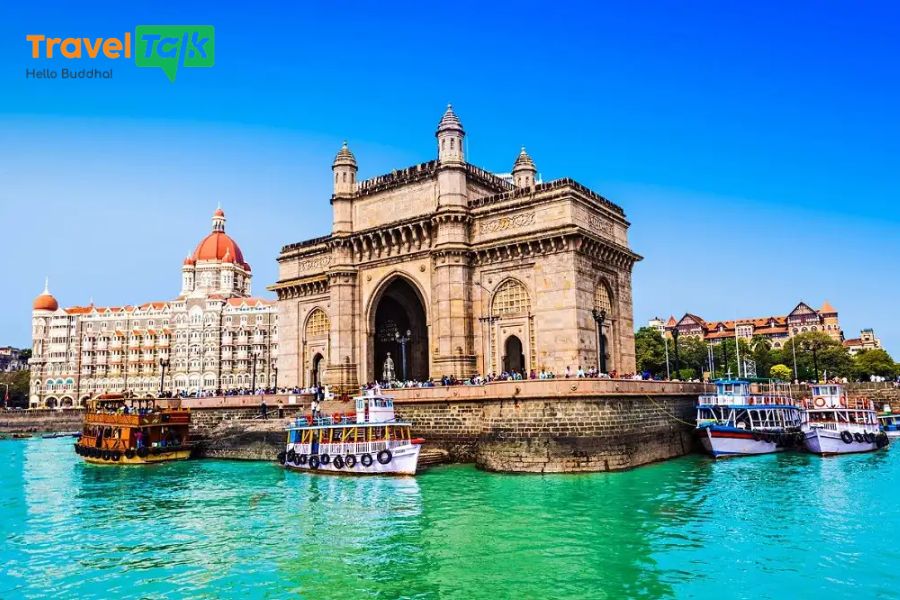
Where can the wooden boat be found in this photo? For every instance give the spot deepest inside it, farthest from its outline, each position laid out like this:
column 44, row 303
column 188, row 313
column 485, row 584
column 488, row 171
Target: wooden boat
column 133, row 431
column 369, row 442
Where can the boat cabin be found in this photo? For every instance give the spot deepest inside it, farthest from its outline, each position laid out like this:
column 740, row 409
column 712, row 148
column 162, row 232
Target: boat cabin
column 373, row 408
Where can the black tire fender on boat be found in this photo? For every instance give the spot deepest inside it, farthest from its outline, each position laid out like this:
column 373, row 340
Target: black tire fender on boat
column 338, row 462
column 281, row 456
column 155, row 450
column 302, row 459
column 104, row 455
column 115, row 456
column 366, row 460
column 325, row 459
column 847, row 437
column 350, row 461
column 77, row 449
column 129, row 453
column 756, row 436
column 291, row 455
column 859, row 437
column 882, row 440
column 142, row 451
column 296, row 460
column 313, row 462
column 385, row 456
column 869, row 437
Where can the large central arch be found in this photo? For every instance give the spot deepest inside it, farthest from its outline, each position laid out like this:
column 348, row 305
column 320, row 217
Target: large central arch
column 398, row 308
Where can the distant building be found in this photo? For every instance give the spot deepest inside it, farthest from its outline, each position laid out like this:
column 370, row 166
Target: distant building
column 208, row 337
column 657, row 324
column 777, row 328
column 865, row 341
column 10, row 359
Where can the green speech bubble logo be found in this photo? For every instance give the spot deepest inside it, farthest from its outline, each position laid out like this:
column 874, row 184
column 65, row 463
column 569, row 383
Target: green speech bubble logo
column 170, row 46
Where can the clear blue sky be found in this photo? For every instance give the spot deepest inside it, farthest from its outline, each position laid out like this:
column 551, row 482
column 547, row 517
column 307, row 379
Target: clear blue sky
column 756, row 149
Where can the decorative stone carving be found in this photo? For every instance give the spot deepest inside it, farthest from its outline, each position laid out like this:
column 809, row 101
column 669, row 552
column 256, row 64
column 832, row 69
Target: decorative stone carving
column 504, row 223
column 314, row 263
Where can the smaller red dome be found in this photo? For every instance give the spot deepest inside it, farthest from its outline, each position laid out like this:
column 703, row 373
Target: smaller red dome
column 45, row 301
column 219, row 213
column 188, row 261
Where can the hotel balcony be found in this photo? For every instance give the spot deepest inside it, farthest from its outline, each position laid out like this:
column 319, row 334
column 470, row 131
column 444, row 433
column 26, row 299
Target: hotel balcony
column 87, row 346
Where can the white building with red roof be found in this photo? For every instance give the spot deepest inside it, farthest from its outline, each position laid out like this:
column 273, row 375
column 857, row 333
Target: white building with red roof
column 213, row 337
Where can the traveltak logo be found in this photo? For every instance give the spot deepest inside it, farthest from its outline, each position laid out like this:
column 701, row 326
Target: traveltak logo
column 167, row 47
column 171, row 46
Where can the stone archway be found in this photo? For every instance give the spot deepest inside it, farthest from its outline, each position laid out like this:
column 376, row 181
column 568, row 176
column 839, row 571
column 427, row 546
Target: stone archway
column 315, row 374
column 399, row 309
column 513, row 356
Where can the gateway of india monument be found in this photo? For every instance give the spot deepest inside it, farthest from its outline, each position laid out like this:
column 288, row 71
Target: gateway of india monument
column 443, row 268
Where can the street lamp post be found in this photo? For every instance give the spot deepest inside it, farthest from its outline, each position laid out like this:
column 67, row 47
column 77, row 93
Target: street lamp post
column 5, row 394
column 599, row 318
column 675, row 334
column 275, row 374
column 163, row 363
column 403, row 340
column 255, row 355
column 813, row 346
column 725, row 369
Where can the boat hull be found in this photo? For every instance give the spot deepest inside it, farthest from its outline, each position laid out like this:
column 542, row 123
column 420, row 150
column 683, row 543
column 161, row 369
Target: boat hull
column 163, row 456
column 725, row 442
column 827, row 442
column 404, row 461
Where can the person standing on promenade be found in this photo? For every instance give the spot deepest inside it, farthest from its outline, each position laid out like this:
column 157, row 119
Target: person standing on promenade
column 263, row 410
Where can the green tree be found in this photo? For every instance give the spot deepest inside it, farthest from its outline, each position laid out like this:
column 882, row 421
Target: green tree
column 832, row 358
column 874, row 362
column 692, row 353
column 762, row 354
column 650, row 351
column 25, row 354
column 782, row 372
column 18, row 382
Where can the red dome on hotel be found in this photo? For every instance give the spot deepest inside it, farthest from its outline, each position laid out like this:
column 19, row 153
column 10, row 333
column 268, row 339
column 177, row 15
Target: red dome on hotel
column 215, row 246
column 45, row 301
column 218, row 245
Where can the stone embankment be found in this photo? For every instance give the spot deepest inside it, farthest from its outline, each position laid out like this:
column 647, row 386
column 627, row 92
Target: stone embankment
column 40, row 421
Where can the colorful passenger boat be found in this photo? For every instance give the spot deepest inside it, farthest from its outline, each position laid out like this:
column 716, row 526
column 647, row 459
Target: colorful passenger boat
column 368, row 442
column 130, row 431
column 890, row 424
column 836, row 424
column 746, row 417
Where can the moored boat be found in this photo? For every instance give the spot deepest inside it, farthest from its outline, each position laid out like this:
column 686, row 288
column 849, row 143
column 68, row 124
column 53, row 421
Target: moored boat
column 119, row 430
column 836, row 424
column 890, row 423
column 368, row 442
column 745, row 418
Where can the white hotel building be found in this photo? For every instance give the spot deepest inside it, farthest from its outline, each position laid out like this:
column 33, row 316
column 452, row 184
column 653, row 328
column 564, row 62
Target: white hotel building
column 205, row 340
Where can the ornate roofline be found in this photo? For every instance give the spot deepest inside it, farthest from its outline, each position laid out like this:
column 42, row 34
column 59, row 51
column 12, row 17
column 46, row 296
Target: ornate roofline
column 556, row 184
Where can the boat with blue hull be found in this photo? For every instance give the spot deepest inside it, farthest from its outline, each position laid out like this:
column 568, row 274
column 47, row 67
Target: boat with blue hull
column 747, row 417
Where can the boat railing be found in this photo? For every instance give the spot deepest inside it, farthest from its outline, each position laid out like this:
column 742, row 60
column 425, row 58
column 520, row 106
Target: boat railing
column 336, row 448
column 752, row 399
column 139, row 420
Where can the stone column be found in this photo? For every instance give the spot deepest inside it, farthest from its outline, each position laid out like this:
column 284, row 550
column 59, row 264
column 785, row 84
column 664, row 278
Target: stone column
column 342, row 373
column 453, row 330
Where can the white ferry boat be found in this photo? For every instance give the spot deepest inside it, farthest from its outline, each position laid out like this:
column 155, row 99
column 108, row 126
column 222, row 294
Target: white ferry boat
column 368, row 442
column 834, row 424
column 745, row 418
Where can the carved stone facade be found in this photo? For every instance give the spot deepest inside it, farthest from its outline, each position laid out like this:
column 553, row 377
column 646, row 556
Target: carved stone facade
column 456, row 271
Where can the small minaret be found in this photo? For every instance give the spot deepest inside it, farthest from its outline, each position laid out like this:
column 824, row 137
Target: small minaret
column 218, row 220
column 524, row 171
column 344, row 167
column 450, row 136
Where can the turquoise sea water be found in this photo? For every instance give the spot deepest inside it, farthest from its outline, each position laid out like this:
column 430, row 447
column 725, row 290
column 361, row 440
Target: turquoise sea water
column 788, row 525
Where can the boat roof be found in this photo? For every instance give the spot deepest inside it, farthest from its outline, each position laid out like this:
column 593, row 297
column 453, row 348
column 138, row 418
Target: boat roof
column 347, row 425
column 750, row 406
